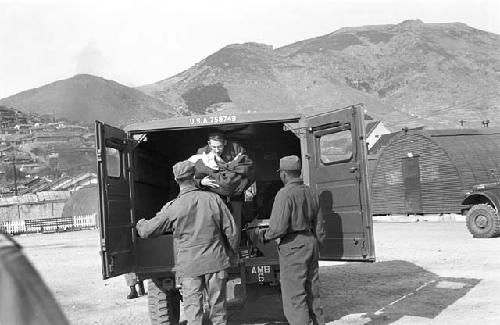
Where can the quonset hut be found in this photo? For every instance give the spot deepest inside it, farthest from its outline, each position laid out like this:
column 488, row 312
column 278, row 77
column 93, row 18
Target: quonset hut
column 84, row 201
column 429, row 171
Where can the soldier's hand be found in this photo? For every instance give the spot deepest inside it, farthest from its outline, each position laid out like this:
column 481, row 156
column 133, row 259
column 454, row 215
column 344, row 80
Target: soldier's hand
column 253, row 234
column 262, row 237
column 257, row 236
column 141, row 228
column 239, row 189
column 208, row 182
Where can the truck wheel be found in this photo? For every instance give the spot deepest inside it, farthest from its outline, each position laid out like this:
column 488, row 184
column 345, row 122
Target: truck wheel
column 163, row 305
column 483, row 221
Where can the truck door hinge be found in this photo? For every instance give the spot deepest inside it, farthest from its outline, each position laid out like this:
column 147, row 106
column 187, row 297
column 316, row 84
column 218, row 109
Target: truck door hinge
column 363, row 249
column 111, row 265
column 99, row 155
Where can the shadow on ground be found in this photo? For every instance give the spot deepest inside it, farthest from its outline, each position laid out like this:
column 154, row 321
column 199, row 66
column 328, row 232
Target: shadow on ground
column 381, row 292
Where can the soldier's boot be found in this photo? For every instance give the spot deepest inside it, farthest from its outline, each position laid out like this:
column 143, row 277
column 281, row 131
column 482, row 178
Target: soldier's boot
column 142, row 292
column 133, row 293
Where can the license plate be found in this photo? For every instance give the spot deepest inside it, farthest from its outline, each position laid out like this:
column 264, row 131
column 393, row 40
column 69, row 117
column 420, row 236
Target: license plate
column 260, row 273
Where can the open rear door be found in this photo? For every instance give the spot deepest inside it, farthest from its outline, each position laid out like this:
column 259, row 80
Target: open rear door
column 335, row 164
column 115, row 203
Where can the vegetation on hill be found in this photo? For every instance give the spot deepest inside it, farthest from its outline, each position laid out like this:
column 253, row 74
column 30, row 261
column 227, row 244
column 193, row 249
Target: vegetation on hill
column 408, row 74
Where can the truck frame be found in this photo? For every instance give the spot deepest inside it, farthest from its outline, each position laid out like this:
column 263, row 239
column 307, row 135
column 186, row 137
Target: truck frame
column 135, row 181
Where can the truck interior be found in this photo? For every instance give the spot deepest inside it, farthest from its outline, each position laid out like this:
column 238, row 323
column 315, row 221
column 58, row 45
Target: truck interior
column 136, row 180
column 154, row 184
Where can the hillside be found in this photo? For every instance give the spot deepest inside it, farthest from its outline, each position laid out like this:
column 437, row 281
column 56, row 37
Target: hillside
column 86, row 98
column 409, row 74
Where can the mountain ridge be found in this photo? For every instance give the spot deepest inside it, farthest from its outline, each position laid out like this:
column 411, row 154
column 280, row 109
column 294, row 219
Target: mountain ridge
column 85, row 98
column 408, row 74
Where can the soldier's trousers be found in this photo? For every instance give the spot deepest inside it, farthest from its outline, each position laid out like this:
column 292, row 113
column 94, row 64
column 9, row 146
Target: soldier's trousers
column 192, row 289
column 24, row 297
column 131, row 279
column 299, row 277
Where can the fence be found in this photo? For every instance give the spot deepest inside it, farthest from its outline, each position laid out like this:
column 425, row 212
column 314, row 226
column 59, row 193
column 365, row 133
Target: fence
column 46, row 225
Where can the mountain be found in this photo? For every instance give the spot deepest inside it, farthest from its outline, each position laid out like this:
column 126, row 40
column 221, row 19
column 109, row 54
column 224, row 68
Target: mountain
column 408, row 74
column 87, row 98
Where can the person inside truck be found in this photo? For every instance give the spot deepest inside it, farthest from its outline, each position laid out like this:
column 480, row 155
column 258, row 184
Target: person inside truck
column 224, row 167
column 205, row 236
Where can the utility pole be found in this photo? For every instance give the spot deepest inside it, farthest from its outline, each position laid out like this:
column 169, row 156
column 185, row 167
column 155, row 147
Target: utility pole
column 15, row 173
column 461, row 123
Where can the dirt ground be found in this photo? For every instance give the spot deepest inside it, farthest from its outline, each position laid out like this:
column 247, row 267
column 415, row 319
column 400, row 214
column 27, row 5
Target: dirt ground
column 426, row 273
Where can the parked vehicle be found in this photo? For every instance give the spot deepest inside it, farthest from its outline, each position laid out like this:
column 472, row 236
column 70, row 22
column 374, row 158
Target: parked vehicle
column 483, row 220
column 135, row 181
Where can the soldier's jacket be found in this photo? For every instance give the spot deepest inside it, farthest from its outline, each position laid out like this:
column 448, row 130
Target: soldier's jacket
column 295, row 209
column 233, row 177
column 236, row 172
column 204, row 231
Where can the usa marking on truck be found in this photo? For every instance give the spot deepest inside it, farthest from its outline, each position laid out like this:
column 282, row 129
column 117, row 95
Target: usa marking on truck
column 212, row 119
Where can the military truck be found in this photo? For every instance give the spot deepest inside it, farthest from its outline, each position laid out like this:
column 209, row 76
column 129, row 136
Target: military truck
column 482, row 217
column 135, row 181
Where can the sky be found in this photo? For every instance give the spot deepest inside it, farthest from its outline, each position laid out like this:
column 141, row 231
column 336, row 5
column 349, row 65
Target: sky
column 142, row 42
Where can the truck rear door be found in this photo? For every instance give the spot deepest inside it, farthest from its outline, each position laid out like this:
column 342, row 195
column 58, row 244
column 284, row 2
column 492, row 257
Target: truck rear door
column 115, row 202
column 335, row 164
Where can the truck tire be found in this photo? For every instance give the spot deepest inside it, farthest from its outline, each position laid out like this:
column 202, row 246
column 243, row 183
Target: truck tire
column 163, row 305
column 483, row 221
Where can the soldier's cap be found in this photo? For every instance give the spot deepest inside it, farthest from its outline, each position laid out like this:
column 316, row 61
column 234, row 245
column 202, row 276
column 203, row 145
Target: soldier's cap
column 290, row 163
column 183, row 169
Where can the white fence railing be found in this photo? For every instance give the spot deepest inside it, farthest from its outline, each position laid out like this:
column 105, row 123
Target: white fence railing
column 15, row 227
column 87, row 221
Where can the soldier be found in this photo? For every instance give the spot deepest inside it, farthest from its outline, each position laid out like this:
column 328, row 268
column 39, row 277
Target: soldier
column 297, row 223
column 24, row 297
column 131, row 280
column 205, row 239
column 226, row 152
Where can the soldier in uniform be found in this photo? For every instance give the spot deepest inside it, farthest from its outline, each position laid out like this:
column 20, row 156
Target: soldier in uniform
column 297, row 223
column 132, row 280
column 226, row 151
column 24, row 297
column 205, row 238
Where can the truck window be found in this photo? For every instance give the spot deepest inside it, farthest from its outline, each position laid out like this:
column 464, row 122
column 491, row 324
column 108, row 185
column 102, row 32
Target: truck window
column 113, row 162
column 336, row 147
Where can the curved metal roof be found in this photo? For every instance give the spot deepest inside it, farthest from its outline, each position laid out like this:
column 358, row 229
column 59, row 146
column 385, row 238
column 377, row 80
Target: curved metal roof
column 212, row 120
column 474, row 152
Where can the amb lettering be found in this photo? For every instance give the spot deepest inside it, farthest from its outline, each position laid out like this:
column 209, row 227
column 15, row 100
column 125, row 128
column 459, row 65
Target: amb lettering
column 260, row 270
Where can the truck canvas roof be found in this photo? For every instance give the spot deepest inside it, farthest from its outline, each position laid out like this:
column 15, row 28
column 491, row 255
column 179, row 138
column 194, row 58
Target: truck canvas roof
column 195, row 121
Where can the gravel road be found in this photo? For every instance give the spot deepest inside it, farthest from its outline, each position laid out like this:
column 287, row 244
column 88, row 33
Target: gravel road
column 426, row 273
